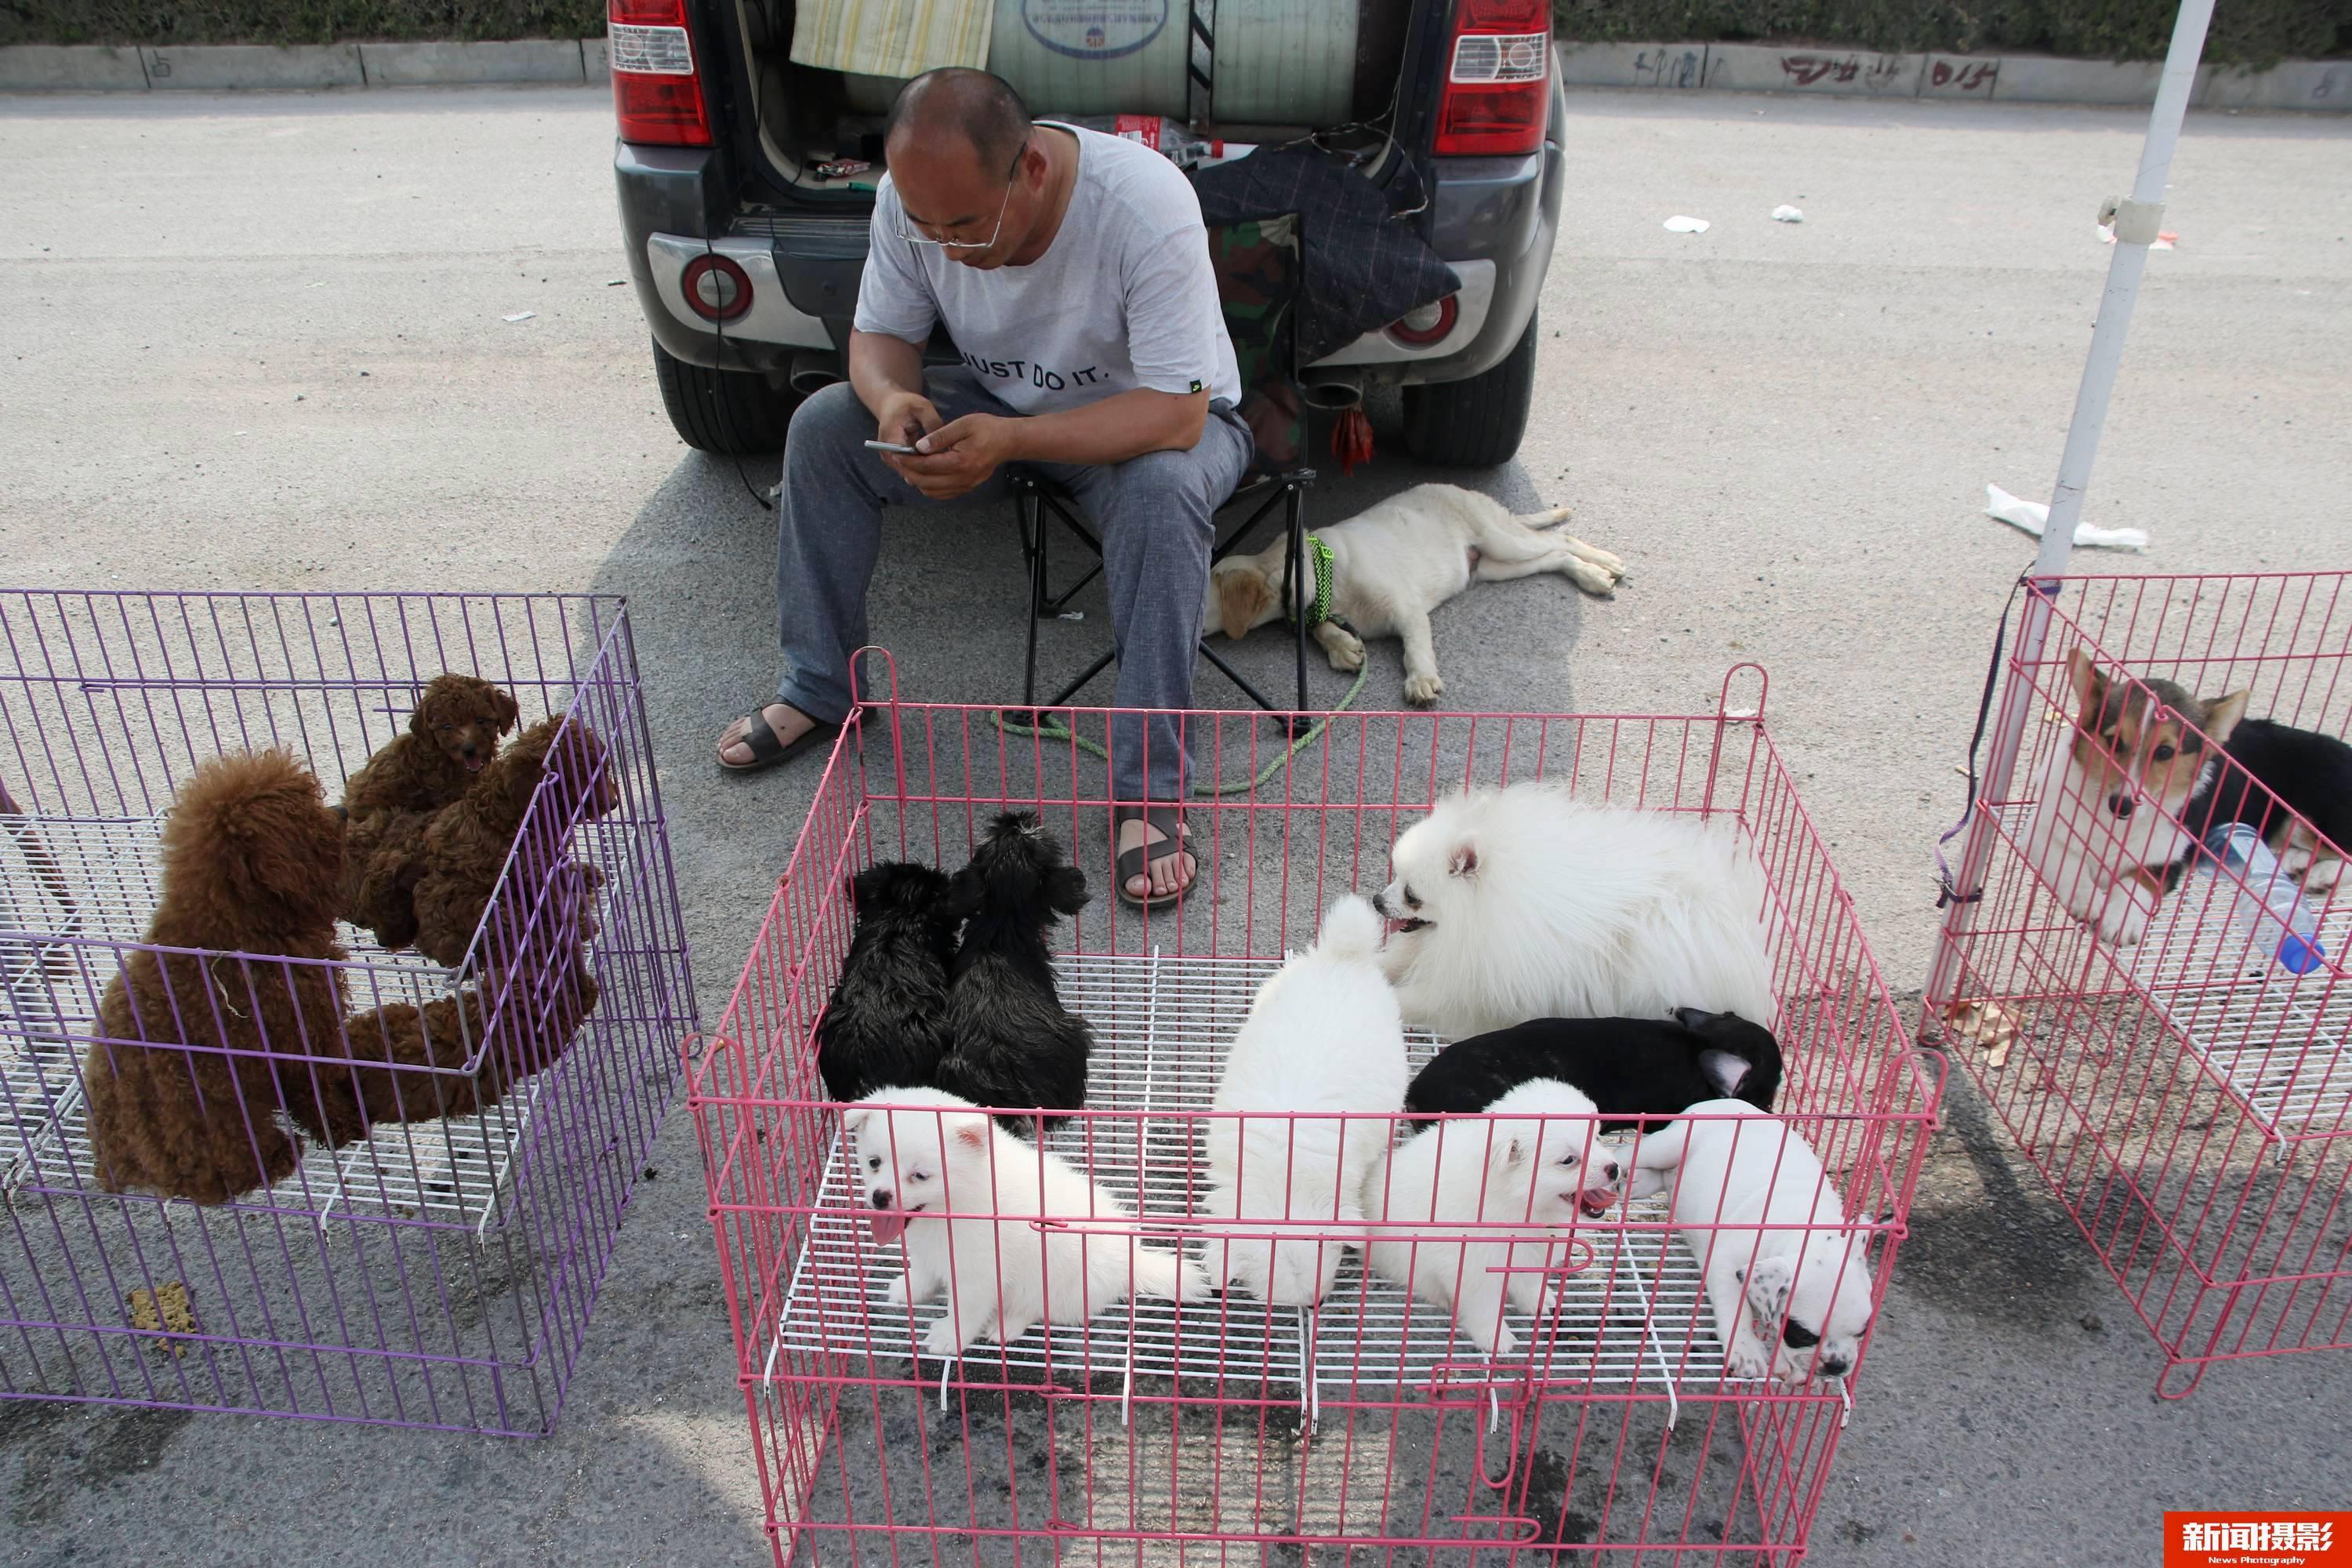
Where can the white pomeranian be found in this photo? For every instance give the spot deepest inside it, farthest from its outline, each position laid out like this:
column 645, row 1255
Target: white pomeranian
column 1789, row 1278
column 1491, row 1202
column 1323, row 1041
column 1002, row 1274
column 1520, row 903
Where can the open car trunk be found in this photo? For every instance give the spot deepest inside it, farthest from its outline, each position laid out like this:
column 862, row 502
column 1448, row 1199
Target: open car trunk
column 1278, row 68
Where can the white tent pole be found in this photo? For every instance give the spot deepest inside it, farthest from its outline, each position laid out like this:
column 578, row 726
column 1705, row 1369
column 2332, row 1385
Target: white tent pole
column 2136, row 220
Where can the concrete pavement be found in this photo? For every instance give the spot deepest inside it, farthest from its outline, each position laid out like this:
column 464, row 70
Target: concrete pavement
column 258, row 342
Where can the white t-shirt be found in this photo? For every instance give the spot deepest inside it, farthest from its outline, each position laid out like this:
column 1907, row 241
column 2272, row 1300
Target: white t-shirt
column 1124, row 298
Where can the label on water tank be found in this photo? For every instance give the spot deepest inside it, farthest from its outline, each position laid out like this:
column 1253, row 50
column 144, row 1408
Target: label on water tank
column 1093, row 30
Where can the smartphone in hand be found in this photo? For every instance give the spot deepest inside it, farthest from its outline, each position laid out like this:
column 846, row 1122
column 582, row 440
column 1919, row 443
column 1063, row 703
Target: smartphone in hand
column 892, row 446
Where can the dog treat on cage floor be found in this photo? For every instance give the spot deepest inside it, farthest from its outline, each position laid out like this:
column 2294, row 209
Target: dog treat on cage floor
column 2186, row 1097
column 1631, row 1067
column 1519, row 903
column 1192, row 1418
column 1323, row 1041
column 1010, row 1041
column 461, row 1156
column 886, row 1024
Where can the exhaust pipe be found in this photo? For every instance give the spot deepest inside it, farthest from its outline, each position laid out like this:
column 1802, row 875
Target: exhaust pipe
column 813, row 372
column 1334, row 394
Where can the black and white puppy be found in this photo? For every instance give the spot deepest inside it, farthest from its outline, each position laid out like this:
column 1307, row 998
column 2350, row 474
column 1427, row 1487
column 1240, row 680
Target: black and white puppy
column 1010, row 1040
column 2310, row 772
column 886, row 1025
column 1631, row 1067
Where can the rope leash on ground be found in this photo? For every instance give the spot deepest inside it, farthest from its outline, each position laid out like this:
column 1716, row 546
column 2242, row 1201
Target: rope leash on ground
column 1054, row 730
column 1317, row 612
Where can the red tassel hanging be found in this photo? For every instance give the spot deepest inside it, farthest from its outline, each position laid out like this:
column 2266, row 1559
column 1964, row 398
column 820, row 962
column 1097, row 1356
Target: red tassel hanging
column 1351, row 439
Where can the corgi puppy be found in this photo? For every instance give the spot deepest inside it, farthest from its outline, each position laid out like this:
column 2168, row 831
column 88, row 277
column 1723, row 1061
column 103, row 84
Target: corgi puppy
column 2106, row 834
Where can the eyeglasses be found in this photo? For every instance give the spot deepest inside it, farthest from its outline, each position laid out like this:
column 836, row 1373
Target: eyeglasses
column 913, row 238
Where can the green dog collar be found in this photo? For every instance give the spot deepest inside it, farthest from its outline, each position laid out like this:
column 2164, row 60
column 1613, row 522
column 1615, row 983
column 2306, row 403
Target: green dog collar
column 1320, row 610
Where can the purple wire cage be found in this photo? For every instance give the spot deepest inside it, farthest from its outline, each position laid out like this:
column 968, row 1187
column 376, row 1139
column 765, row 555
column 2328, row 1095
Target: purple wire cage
column 431, row 1258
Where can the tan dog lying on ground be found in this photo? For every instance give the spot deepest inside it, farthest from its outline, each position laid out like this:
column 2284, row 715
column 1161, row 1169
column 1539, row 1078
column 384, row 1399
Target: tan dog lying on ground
column 1393, row 565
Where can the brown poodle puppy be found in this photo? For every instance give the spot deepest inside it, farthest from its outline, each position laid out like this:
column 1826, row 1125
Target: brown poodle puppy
column 452, row 736
column 467, row 844
column 427, row 1047
column 383, row 856
column 182, row 1097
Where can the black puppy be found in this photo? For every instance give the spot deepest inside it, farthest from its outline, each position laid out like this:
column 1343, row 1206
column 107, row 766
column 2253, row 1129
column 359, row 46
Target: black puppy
column 1631, row 1067
column 2310, row 772
column 886, row 1026
column 1010, row 1040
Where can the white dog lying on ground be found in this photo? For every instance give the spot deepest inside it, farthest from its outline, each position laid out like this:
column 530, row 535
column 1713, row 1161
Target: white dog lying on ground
column 1491, row 1202
column 1791, row 1299
column 1522, row 903
column 1394, row 563
column 1002, row 1274
column 1322, row 1040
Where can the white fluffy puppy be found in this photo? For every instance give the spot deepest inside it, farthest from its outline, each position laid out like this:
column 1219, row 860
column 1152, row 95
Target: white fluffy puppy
column 1490, row 1202
column 1002, row 1274
column 1522, row 903
column 1792, row 1297
column 1323, row 1041
column 1394, row 563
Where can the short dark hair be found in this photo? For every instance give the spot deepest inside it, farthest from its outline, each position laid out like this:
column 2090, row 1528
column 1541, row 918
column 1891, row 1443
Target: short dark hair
column 980, row 108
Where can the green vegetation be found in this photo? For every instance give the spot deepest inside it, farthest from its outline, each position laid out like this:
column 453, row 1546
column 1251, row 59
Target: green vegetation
column 2258, row 32
column 161, row 22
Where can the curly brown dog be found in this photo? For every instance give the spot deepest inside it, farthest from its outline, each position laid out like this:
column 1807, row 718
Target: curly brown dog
column 468, row 844
column 428, row 1049
column 452, row 736
column 181, row 1100
column 527, row 1023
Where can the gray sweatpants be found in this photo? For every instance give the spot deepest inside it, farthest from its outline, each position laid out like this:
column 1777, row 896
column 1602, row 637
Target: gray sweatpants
column 1153, row 513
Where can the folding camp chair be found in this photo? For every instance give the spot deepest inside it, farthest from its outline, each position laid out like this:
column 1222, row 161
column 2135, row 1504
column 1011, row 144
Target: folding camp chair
column 1258, row 276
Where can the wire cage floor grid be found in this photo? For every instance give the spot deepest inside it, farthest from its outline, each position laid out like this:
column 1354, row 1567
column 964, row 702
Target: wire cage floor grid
column 1353, row 1422
column 2188, row 1098
column 438, row 1269
column 1630, row 1314
column 102, row 878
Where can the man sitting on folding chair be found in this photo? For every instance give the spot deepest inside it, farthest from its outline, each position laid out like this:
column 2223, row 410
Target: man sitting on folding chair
column 1072, row 270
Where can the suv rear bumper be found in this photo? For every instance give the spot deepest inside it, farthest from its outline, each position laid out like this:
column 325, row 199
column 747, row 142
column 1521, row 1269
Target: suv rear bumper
column 1494, row 218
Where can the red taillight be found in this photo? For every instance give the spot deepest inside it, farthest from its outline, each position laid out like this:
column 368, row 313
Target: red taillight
column 656, row 93
column 1497, row 77
column 715, row 288
column 1429, row 324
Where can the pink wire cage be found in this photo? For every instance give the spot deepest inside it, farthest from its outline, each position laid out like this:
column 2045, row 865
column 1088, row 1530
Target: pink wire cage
column 2187, row 1096
column 1157, row 1429
column 431, row 1181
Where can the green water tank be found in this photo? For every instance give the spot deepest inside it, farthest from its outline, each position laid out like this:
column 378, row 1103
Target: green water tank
column 1287, row 62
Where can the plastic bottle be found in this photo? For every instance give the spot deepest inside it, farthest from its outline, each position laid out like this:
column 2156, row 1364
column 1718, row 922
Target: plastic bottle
column 2268, row 906
column 1166, row 137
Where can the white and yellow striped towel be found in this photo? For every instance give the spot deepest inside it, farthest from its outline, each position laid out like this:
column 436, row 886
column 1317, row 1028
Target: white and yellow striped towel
column 892, row 37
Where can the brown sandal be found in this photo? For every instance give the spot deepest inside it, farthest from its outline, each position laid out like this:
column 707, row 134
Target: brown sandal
column 1168, row 821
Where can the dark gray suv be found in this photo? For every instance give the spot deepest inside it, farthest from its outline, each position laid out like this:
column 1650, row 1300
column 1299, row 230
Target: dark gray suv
column 747, row 179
